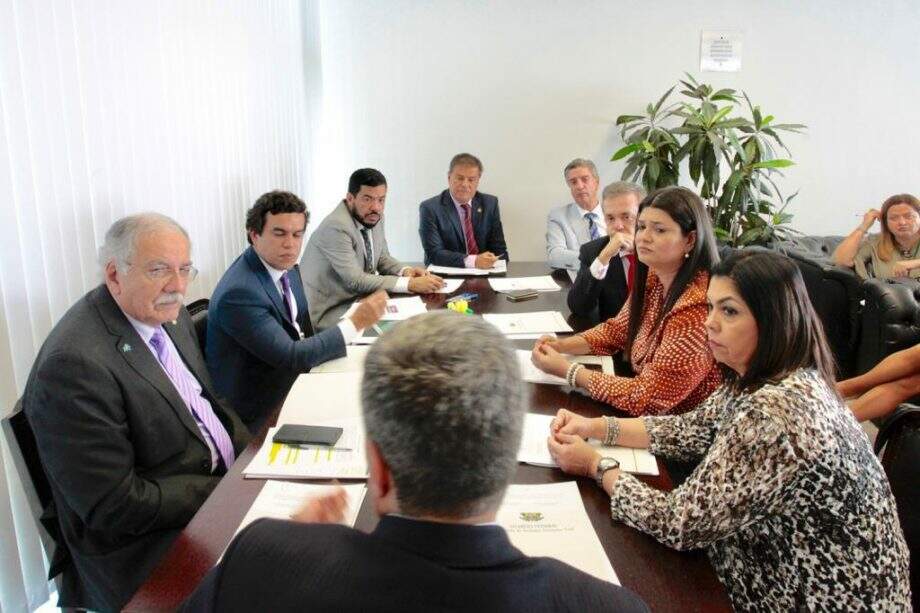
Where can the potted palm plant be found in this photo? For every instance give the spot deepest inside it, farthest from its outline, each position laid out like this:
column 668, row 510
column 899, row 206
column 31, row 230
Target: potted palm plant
column 732, row 159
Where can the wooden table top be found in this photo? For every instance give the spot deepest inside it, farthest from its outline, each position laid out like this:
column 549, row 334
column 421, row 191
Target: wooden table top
column 666, row 579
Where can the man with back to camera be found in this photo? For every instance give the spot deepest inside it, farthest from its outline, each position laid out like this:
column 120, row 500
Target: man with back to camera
column 347, row 255
column 462, row 227
column 607, row 264
column 130, row 432
column 570, row 226
column 260, row 337
column 442, row 405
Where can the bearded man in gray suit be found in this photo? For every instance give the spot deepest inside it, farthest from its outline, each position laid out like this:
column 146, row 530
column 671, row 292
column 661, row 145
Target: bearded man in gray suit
column 347, row 256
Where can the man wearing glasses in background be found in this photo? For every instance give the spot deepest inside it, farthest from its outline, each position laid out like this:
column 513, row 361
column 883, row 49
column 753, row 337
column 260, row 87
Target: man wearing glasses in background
column 129, row 429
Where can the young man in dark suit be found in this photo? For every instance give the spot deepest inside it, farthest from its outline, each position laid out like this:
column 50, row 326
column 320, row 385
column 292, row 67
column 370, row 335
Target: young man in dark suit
column 260, row 337
column 462, row 227
column 441, row 398
column 130, row 431
column 607, row 263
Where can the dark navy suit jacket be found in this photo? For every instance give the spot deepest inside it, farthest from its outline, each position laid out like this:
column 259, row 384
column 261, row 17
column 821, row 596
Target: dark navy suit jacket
column 442, row 233
column 403, row 565
column 597, row 299
column 254, row 353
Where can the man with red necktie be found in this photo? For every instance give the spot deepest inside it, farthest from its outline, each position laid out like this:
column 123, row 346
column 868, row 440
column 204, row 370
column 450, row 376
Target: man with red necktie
column 607, row 264
column 462, row 227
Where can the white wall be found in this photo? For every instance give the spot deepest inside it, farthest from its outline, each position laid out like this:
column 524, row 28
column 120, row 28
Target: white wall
column 529, row 85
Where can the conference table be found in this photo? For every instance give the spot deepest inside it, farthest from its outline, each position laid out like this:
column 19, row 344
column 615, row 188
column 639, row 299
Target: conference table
column 666, row 579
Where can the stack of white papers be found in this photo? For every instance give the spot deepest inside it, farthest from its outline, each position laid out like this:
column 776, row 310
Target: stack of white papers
column 282, row 499
column 500, row 267
column 534, row 451
column 550, row 520
column 324, row 399
column 352, row 362
column 347, row 460
column 528, row 323
column 540, row 284
column 450, row 286
column 397, row 309
column 532, row 374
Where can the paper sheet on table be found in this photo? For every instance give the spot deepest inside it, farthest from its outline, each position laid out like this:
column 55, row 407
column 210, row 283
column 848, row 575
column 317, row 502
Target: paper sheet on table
column 352, row 362
column 347, row 460
column 533, row 449
column 572, row 274
column 397, row 309
column 450, row 286
column 532, row 374
column 550, row 520
column 501, row 266
column 529, row 335
column 281, row 499
column 540, row 284
column 528, row 323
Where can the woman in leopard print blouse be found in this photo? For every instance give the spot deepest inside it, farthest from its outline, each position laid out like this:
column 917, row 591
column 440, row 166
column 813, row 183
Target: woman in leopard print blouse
column 788, row 499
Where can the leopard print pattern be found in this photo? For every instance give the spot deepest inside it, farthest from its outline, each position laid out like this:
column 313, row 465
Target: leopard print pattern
column 791, row 504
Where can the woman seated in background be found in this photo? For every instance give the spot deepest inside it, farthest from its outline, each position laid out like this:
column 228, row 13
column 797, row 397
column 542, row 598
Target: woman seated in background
column 893, row 253
column 661, row 327
column 890, row 382
column 789, row 500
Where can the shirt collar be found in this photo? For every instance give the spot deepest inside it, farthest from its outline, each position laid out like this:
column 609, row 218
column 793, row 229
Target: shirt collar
column 597, row 210
column 274, row 273
column 459, row 204
column 145, row 331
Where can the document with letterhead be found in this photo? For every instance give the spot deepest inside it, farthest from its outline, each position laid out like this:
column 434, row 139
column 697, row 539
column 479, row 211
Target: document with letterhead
column 528, row 323
column 550, row 520
column 533, row 449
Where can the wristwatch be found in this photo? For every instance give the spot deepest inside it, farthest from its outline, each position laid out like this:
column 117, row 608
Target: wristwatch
column 602, row 467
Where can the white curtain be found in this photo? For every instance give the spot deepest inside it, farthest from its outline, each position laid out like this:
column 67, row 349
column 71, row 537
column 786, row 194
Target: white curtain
column 109, row 107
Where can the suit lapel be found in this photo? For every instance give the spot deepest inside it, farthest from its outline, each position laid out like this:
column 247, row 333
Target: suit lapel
column 268, row 286
column 140, row 357
column 300, row 297
column 477, row 209
column 450, row 210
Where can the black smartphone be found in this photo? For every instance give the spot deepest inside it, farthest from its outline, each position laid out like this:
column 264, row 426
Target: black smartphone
column 516, row 295
column 295, row 434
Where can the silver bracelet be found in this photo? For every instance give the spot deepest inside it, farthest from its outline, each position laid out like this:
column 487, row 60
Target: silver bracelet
column 613, row 431
column 568, row 373
column 573, row 374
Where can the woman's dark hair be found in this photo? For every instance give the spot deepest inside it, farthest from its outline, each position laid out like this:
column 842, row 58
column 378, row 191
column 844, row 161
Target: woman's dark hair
column 789, row 334
column 688, row 212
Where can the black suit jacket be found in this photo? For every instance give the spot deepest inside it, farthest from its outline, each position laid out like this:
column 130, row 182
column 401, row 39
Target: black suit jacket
column 127, row 463
column 441, row 230
column 593, row 298
column 404, row 566
column 254, row 353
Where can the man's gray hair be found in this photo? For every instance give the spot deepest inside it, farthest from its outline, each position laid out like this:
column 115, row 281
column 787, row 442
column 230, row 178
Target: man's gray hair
column 121, row 238
column 618, row 188
column 442, row 399
column 580, row 163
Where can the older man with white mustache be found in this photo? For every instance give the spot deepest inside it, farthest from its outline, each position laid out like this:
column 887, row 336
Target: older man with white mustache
column 130, row 432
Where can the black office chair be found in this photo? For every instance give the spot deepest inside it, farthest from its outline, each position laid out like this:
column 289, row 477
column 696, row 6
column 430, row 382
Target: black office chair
column 199, row 312
column 898, row 441
column 24, row 450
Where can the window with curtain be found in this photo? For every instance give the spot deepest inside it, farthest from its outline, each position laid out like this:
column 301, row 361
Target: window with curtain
column 112, row 107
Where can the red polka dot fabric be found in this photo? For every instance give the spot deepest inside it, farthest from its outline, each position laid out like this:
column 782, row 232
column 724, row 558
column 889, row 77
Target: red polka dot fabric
column 675, row 370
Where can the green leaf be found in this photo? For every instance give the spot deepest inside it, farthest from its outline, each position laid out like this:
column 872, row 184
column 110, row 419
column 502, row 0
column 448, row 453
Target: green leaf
column 778, row 163
column 734, row 122
column 738, row 148
column 628, row 118
column 623, row 152
column 663, row 98
column 725, row 110
column 767, row 120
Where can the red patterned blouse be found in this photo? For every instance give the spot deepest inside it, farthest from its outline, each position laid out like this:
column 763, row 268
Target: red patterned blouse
column 674, row 367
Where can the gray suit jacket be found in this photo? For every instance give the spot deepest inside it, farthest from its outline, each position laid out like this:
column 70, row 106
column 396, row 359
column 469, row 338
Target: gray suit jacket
column 566, row 232
column 127, row 464
column 333, row 267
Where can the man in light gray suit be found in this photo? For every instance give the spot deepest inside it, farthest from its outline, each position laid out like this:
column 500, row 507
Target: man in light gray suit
column 570, row 226
column 347, row 255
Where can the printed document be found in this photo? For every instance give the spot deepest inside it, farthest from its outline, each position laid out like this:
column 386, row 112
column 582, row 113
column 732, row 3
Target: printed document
column 500, row 267
column 315, row 399
column 532, row 374
column 540, row 284
column 550, row 520
column 450, row 286
column 346, row 460
column 533, row 449
column 397, row 309
column 281, row 499
column 528, row 323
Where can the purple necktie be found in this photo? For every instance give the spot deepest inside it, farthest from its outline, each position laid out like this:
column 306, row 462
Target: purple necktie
column 285, row 292
column 471, row 247
column 188, row 389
